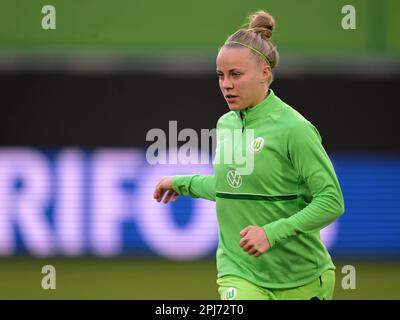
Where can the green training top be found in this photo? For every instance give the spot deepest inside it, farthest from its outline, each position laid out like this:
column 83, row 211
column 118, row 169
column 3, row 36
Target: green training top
column 293, row 193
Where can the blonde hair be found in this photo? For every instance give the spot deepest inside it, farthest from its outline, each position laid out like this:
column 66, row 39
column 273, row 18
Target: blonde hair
column 256, row 36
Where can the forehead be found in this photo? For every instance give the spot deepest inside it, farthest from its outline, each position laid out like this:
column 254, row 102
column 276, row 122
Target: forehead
column 229, row 58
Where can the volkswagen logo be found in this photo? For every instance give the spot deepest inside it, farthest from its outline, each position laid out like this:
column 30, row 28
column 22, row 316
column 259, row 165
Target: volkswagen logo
column 234, row 179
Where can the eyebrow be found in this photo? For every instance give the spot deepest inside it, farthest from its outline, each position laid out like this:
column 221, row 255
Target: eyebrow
column 233, row 69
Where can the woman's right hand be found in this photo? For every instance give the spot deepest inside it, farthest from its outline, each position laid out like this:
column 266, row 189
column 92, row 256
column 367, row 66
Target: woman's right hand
column 164, row 187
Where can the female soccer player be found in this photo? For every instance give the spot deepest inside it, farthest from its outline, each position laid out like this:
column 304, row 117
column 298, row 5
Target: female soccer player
column 269, row 220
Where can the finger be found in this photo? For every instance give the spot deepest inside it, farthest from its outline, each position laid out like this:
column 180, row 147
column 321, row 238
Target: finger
column 243, row 242
column 168, row 196
column 253, row 251
column 156, row 193
column 160, row 194
column 176, row 195
column 257, row 254
column 244, row 231
column 248, row 247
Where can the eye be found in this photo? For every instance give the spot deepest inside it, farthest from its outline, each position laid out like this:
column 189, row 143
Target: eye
column 236, row 74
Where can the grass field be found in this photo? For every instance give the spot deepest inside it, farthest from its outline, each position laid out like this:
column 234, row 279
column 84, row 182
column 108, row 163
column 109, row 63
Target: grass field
column 132, row 278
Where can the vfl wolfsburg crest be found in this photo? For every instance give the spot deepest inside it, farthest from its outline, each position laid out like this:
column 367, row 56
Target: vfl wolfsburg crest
column 234, row 179
column 257, row 144
column 230, row 294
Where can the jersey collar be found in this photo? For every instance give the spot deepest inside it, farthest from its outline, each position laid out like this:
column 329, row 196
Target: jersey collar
column 266, row 106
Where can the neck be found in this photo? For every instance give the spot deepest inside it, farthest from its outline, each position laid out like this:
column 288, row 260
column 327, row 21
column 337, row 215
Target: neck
column 259, row 100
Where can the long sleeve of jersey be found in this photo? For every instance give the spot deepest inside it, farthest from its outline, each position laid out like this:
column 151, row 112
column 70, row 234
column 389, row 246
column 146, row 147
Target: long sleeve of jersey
column 195, row 186
column 316, row 172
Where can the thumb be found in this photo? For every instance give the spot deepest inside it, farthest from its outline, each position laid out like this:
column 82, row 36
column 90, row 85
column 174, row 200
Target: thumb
column 244, row 231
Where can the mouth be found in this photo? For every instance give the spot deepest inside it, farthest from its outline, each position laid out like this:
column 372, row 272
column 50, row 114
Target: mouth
column 231, row 98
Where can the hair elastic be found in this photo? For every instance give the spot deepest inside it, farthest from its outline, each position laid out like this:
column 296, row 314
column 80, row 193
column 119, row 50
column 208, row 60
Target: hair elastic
column 253, row 49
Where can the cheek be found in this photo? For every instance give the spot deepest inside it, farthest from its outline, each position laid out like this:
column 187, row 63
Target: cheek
column 251, row 87
column 244, row 88
column 220, row 85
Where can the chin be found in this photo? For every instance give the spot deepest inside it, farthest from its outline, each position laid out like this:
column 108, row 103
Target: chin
column 234, row 107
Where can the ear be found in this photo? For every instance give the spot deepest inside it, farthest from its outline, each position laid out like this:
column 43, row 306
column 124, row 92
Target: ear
column 266, row 73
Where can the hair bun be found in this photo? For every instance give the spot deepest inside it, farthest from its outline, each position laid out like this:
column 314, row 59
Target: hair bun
column 263, row 23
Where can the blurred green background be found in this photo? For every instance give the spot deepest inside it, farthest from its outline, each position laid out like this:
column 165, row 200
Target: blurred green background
column 134, row 278
column 309, row 28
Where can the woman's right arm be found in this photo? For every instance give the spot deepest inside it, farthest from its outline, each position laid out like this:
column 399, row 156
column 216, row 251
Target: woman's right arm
column 195, row 186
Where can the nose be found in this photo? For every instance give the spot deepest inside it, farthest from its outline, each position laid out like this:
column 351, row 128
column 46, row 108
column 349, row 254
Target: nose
column 226, row 83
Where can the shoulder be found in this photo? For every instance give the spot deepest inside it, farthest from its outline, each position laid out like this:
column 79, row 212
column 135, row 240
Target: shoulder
column 227, row 118
column 296, row 125
column 287, row 116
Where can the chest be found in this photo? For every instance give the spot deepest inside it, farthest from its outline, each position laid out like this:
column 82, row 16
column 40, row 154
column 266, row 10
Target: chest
column 252, row 158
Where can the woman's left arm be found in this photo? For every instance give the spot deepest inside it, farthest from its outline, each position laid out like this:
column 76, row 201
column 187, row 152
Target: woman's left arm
column 311, row 161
